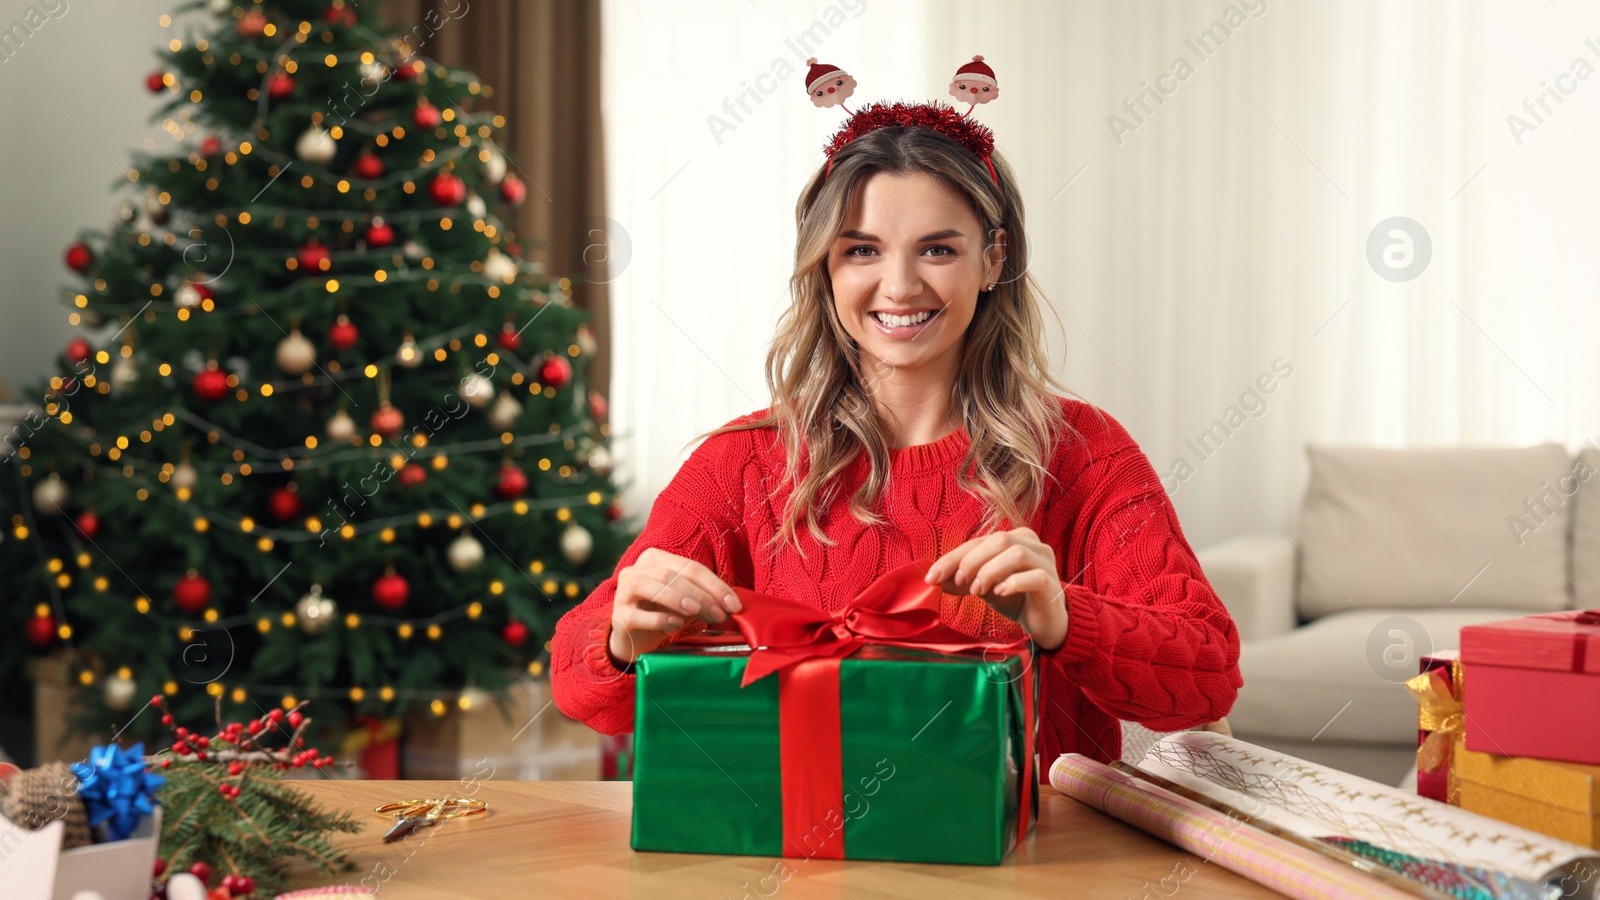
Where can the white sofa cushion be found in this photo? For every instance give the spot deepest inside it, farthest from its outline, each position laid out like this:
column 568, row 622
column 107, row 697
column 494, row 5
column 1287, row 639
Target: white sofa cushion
column 1433, row 527
column 1586, row 530
column 1296, row 685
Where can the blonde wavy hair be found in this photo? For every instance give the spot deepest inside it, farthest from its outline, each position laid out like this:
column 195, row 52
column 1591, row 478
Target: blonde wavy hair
column 821, row 405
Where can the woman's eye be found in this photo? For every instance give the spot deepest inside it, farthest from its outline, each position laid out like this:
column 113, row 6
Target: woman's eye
column 852, row 250
column 947, row 251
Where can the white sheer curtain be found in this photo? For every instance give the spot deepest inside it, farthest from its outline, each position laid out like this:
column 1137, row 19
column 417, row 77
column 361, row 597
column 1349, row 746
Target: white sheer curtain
column 1217, row 240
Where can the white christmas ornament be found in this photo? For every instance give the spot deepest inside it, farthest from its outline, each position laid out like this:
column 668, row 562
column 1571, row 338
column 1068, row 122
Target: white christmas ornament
column 124, row 374
column 220, row 7
column 503, row 415
column 316, row 146
column 477, row 207
column 296, row 355
column 187, row 296
column 119, row 692
column 341, row 427
column 465, row 552
column 587, row 345
column 500, row 267
column 472, row 698
column 576, row 543
column 600, row 460
column 495, row 167
column 127, row 212
column 50, row 496
column 374, row 73
column 476, row 390
column 408, row 355
column 184, row 476
column 315, row 612
column 411, row 249
column 184, row 886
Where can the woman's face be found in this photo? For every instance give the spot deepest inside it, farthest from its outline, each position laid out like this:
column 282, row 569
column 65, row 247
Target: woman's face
column 911, row 249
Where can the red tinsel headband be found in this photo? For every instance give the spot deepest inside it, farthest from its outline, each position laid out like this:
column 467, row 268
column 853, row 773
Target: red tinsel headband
column 974, row 82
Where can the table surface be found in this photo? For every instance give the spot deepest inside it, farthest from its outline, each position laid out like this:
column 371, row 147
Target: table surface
column 570, row 839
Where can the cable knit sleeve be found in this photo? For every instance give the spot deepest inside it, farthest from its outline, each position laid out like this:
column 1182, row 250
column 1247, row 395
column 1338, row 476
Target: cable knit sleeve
column 1147, row 638
column 695, row 517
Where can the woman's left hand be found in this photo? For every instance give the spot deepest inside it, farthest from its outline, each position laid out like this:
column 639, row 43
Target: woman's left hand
column 1014, row 572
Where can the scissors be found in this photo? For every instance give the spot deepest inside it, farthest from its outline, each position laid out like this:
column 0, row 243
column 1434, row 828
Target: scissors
column 413, row 814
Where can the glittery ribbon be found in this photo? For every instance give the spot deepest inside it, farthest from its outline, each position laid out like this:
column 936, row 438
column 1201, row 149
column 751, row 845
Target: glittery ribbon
column 1439, row 712
column 116, row 788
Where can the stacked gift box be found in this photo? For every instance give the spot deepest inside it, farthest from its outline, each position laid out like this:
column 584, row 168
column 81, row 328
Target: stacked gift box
column 1510, row 726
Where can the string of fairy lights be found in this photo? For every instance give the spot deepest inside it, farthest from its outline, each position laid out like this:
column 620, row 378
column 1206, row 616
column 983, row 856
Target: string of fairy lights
column 493, row 275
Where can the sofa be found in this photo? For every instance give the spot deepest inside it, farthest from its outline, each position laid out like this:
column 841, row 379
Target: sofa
column 1393, row 552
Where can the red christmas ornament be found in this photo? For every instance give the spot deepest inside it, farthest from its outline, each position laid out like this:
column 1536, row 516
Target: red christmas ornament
column 405, row 70
column 343, row 335
column 79, row 258
column 509, row 338
column 614, row 512
column 211, row 146
column 388, row 421
column 337, row 15
column 513, row 190
column 380, row 233
column 251, row 25
column 427, row 115
column 447, row 189
column 413, row 475
column 597, row 405
column 390, row 591
column 515, row 634
column 313, row 257
column 556, row 372
column 513, row 482
column 42, row 630
column 192, row 592
column 88, row 524
column 156, row 81
column 280, row 85
column 368, row 165
column 211, row 384
column 78, row 350
column 284, row 503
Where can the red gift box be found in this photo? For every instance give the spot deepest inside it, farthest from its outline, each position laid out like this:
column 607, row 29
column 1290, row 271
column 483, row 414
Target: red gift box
column 1434, row 785
column 1535, row 686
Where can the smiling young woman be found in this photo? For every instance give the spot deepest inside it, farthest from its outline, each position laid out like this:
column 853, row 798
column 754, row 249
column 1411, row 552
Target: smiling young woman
column 913, row 416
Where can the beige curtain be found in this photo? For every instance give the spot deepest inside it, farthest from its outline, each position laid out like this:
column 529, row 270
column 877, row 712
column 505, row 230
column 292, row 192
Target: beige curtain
column 542, row 58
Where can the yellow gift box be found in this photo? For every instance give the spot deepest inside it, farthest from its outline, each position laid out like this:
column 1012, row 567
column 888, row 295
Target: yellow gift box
column 1561, row 799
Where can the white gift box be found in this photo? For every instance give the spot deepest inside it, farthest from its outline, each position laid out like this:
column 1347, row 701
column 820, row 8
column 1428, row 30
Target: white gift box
column 32, row 863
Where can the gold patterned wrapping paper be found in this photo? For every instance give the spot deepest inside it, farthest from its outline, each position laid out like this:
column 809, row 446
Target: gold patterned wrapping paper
column 1314, row 801
column 1560, row 799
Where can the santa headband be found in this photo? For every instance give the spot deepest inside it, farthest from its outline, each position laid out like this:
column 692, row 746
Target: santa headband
column 974, row 83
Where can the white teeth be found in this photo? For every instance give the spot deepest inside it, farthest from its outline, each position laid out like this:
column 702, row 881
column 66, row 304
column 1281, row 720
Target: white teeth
column 903, row 321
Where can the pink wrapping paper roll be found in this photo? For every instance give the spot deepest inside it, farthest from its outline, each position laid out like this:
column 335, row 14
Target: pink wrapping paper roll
column 1214, row 837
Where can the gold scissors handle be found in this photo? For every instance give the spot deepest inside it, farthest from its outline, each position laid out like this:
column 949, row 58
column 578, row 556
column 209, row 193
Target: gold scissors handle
column 413, row 814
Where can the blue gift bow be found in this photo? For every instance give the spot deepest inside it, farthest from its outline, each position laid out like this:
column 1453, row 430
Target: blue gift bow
column 116, row 788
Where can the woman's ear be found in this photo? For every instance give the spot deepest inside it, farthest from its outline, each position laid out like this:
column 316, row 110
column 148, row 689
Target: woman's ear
column 994, row 256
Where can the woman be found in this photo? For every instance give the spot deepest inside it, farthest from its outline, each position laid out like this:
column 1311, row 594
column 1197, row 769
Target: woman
column 912, row 417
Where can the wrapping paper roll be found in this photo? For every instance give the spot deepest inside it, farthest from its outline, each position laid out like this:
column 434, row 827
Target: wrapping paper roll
column 1213, row 836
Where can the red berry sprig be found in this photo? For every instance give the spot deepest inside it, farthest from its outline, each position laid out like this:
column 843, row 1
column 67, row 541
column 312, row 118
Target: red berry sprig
column 237, row 745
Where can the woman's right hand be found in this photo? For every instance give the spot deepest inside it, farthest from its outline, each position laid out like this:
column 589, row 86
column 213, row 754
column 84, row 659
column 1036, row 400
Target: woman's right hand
column 657, row 595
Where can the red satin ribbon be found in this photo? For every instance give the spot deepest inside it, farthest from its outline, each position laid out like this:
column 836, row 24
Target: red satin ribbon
column 805, row 646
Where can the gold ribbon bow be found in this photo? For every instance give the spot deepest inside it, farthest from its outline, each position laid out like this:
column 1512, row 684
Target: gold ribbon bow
column 1439, row 712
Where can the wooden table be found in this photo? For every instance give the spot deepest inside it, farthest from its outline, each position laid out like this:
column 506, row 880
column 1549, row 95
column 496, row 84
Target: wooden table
column 570, row 839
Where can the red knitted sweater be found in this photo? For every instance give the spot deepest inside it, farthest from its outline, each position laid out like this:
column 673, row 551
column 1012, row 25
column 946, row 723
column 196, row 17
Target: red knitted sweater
column 1147, row 638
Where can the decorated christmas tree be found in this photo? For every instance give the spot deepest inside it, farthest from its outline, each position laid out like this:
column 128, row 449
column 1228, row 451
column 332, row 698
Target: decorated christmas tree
column 326, row 435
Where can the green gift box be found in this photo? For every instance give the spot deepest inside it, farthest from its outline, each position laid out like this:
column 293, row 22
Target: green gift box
column 928, row 765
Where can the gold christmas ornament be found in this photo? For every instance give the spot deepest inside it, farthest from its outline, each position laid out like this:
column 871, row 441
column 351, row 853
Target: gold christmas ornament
column 576, row 543
column 296, row 355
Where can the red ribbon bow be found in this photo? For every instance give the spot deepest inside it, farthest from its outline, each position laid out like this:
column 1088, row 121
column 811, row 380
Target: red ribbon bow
column 805, row 646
